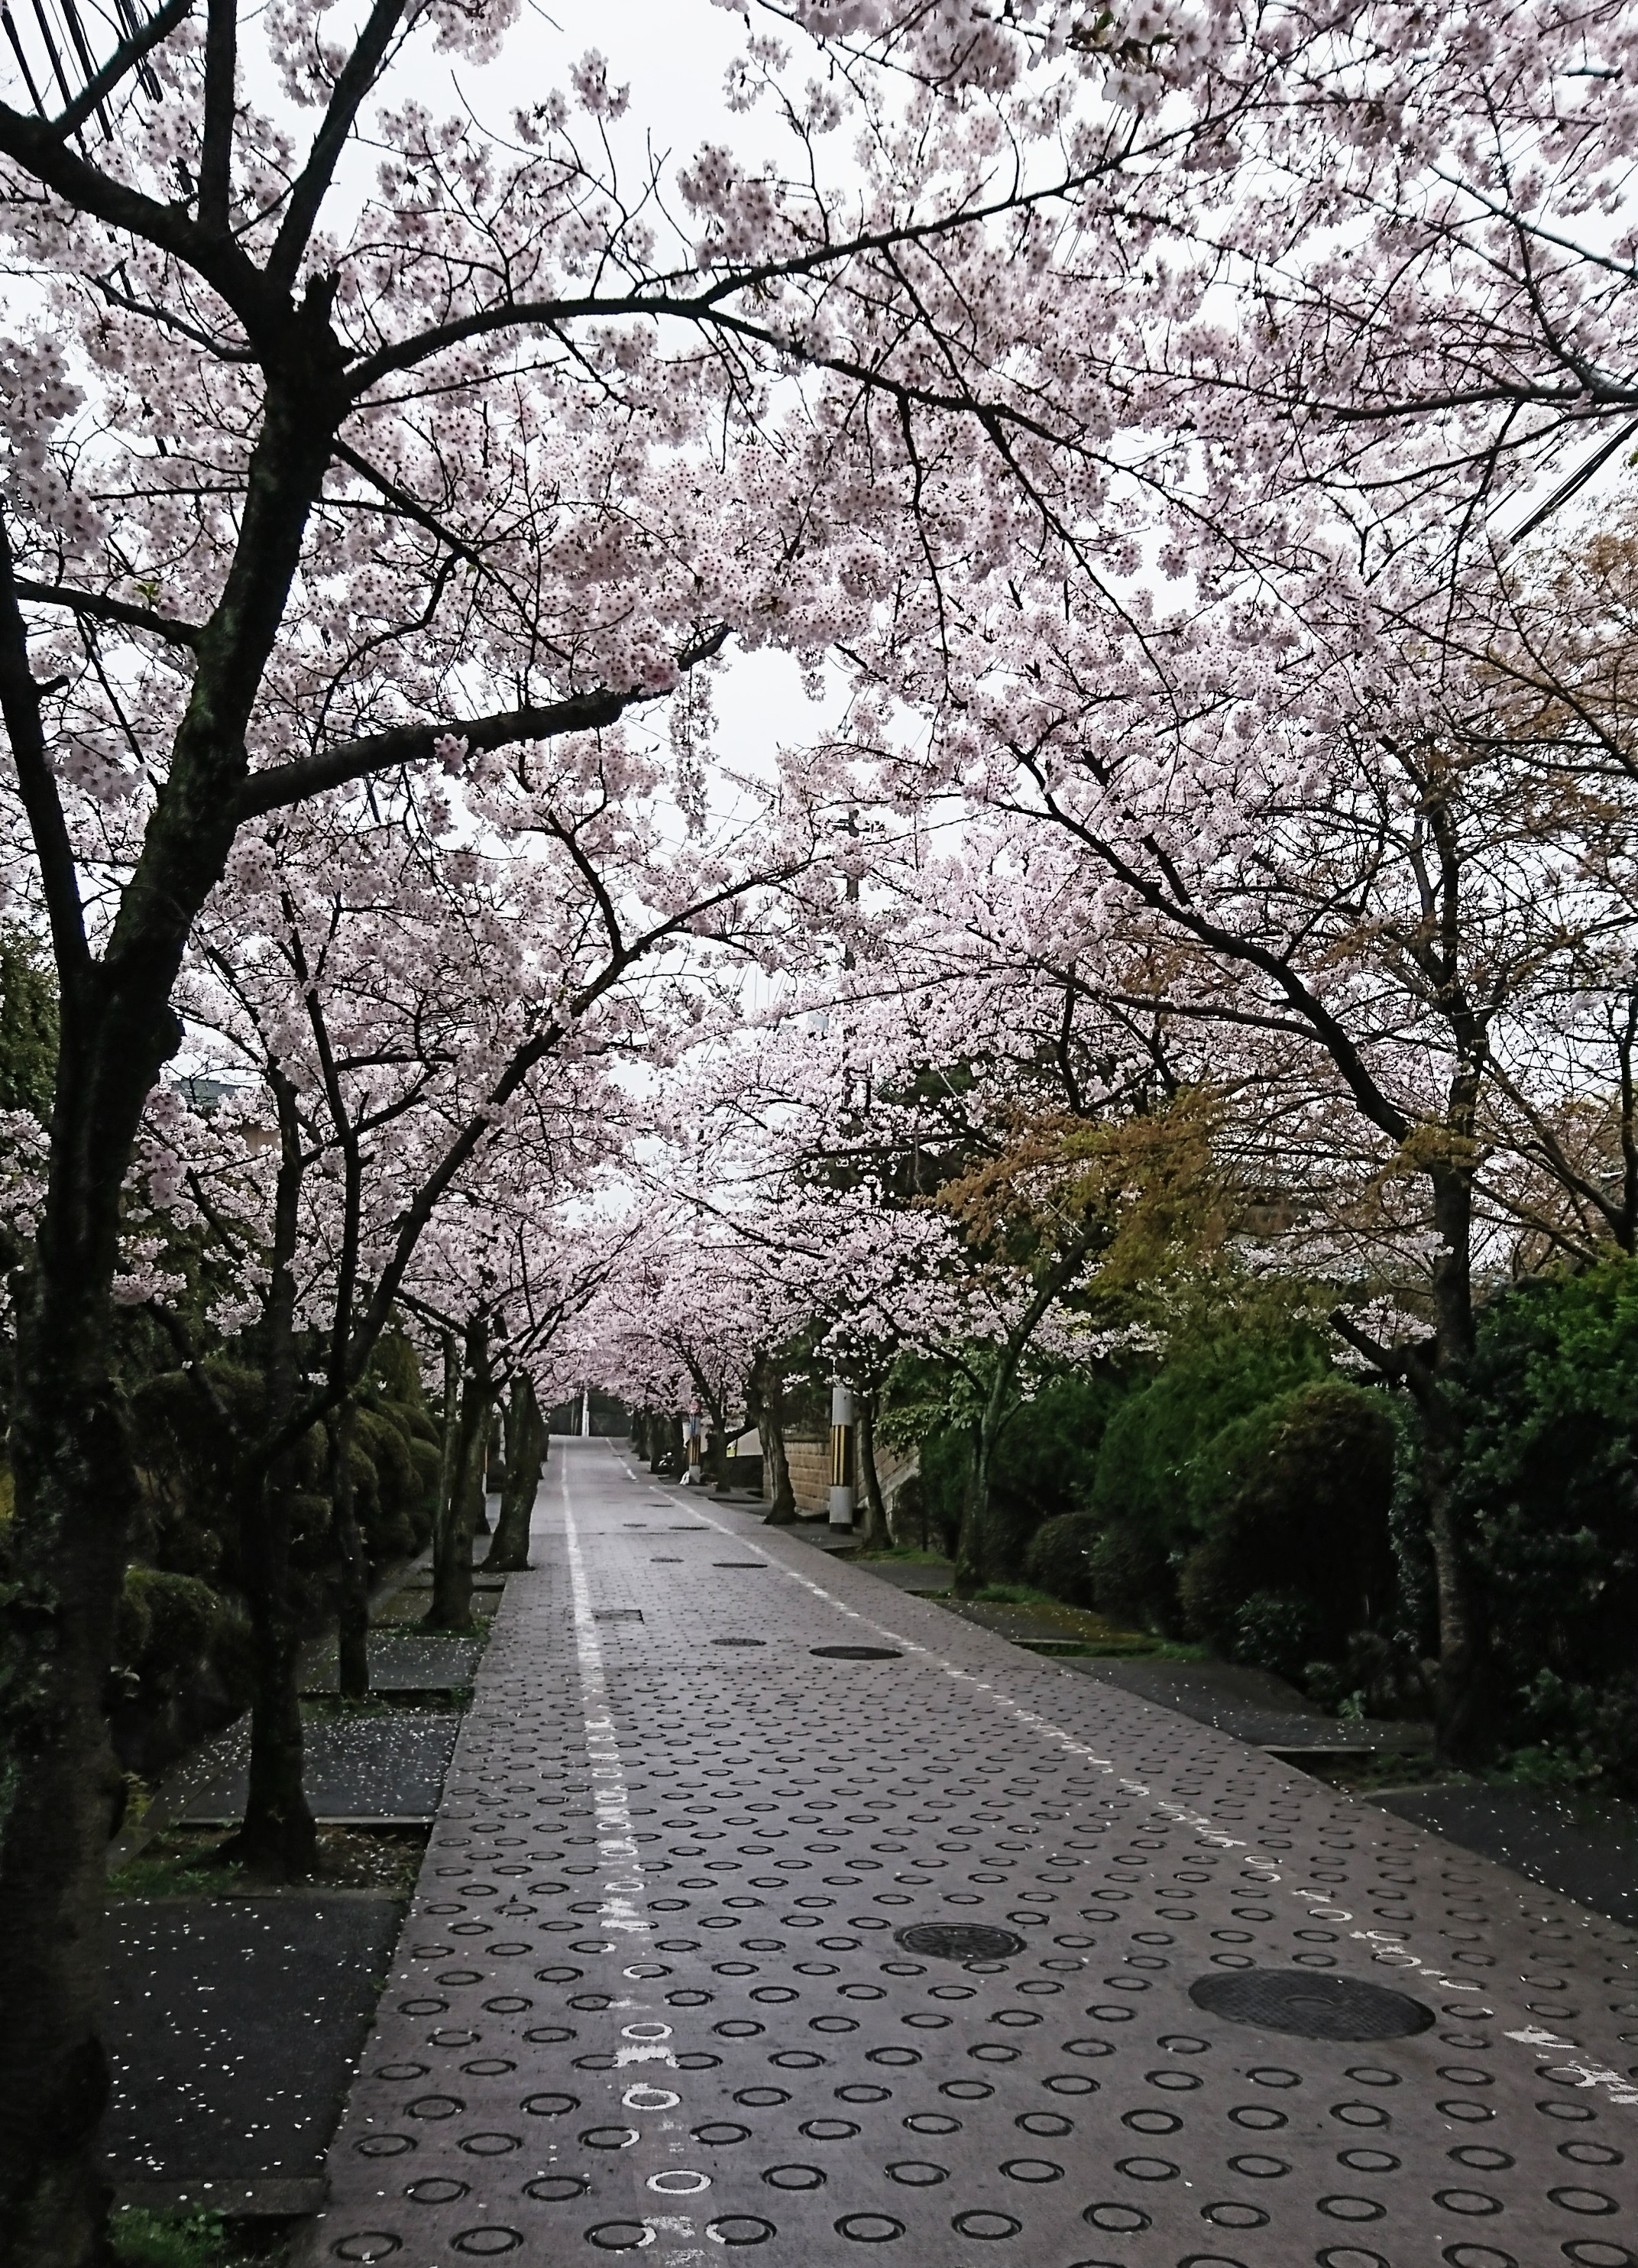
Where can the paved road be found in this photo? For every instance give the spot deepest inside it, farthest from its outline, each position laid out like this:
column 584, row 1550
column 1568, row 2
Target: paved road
column 653, row 1994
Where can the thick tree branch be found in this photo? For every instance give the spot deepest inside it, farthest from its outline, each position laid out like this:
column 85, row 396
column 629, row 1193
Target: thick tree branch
column 120, row 63
column 99, row 608
column 358, row 76
column 20, row 705
column 216, row 160
column 282, row 784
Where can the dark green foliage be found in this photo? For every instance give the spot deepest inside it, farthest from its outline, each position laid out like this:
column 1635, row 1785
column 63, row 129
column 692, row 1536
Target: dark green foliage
column 1046, row 1458
column 165, row 1625
column 28, row 1026
column 1152, row 1489
column 945, row 1458
column 1549, row 1488
column 185, row 1465
column 395, row 1375
column 1145, row 1467
column 1046, row 1454
column 1059, row 1559
column 1134, row 1581
column 1273, row 1630
column 182, row 1664
column 1293, row 1501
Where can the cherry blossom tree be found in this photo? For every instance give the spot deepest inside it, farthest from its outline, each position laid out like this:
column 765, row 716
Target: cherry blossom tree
column 305, row 486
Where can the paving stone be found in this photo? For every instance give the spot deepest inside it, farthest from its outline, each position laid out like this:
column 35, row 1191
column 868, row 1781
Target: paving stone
column 234, row 2029
column 364, row 1767
column 404, row 1661
column 652, row 1994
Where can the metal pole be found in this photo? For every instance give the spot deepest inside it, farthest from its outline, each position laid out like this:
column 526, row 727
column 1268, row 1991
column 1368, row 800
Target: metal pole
column 842, row 1416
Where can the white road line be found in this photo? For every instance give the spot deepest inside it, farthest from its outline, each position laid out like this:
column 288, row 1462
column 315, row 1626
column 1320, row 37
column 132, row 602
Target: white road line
column 624, row 1908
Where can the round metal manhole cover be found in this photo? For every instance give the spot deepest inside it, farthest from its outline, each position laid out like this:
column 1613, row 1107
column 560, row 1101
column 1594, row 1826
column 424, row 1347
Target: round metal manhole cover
column 1310, row 2007
column 857, row 1652
column 957, row 1941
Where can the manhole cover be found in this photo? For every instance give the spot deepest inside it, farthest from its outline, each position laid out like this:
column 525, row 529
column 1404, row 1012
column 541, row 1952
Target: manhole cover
column 857, row 1652
column 738, row 1641
column 1311, row 2008
column 959, row 1940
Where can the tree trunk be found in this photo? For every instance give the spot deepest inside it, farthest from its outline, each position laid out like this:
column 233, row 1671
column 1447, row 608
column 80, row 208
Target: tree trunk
column 972, row 1539
column 1463, row 1713
column 525, row 1454
column 491, row 1474
column 875, row 1537
column 76, row 1498
column 469, row 1396
column 277, row 1835
column 715, row 1452
column 766, row 1400
column 353, row 1604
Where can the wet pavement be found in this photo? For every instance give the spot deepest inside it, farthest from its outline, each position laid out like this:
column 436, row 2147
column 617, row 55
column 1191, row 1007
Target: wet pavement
column 401, row 1661
column 664, row 1987
column 232, row 2030
column 370, row 1769
column 1586, row 1846
column 1252, row 1705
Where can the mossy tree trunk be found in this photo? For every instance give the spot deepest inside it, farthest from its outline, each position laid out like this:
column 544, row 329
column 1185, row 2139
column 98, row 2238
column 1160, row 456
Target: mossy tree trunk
column 353, row 1602
column 766, row 1401
column 875, row 1537
column 468, row 1397
column 526, row 1454
column 278, row 1834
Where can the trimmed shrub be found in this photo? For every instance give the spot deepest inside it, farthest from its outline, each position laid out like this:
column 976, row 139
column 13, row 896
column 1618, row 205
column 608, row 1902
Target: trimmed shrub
column 1060, row 1560
column 1294, row 1498
column 1132, row 1579
column 1144, row 1472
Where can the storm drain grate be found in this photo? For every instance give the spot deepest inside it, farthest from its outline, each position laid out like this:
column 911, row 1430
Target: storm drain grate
column 746, row 1564
column 1311, row 2008
column 738, row 1641
column 959, row 1940
column 857, row 1652
column 617, row 1613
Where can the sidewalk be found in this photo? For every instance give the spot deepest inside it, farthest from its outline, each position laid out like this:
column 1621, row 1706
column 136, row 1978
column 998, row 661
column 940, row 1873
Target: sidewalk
column 663, row 1987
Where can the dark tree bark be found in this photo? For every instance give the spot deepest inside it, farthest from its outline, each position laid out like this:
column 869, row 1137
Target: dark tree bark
column 525, row 1455
column 764, row 1395
column 278, row 1834
column 875, row 1537
column 468, row 1395
column 353, row 1602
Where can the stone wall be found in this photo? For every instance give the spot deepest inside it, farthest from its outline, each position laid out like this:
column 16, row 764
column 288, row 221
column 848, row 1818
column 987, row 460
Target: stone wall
column 808, row 1457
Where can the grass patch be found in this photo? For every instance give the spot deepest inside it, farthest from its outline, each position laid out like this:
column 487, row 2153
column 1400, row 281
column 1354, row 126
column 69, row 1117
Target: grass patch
column 1076, row 1630
column 439, row 1699
column 908, row 1555
column 138, row 2238
column 1381, row 1775
column 185, row 1863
